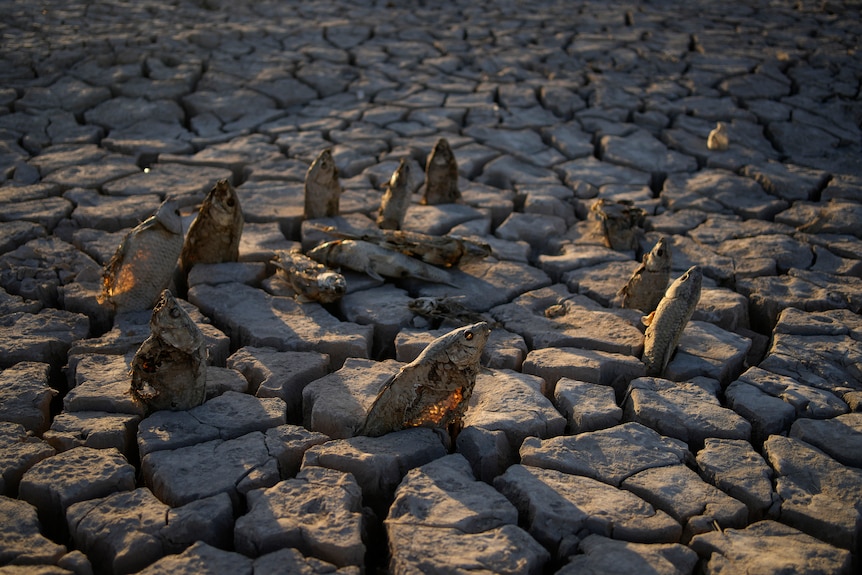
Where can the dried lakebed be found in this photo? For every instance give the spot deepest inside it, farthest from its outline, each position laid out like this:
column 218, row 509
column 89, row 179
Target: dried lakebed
column 744, row 454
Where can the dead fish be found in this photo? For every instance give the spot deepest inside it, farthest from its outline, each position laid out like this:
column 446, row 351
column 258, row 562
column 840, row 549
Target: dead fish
column 445, row 251
column 396, row 198
column 619, row 223
column 144, row 262
column 169, row 369
column 434, row 389
column 648, row 283
column 441, row 176
column 719, row 138
column 322, row 188
column 666, row 323
column 445, row 308
column 376, row 261
column 312, row 281
column 214, row 235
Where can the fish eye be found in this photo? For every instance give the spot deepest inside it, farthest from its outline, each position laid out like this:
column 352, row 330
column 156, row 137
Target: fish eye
column 660, row 253
column 230, row 202
column 177, row 212
column 468, row 336
column 174, row 312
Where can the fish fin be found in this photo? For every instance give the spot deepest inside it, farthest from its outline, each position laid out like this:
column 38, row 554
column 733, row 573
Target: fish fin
column 371, row 272
column 667, row 355
column 647, row 319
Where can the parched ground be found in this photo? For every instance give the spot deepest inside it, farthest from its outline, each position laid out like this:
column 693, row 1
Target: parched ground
column 745, row 456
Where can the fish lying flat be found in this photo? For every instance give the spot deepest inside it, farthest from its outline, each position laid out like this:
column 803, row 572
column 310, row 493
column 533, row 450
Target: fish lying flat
column 445, row 308
column 214, row 235
column 434, row 389
column 666, row 323
column 441, row 176
column 446, row 251
column 169, row 369
column 144, row 262
column 312, row 281
column 648, row 283
column 619, row 223
column 376, row 261
column 396, row 198
column 322, row 188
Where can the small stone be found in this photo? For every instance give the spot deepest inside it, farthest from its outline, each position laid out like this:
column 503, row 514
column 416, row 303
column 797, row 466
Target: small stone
column 21, row 540
column 603, row 555
column 19, row 451
column 378, row 463
column 586, row 406
column 282, row 374
column 235, row 466
column 25, row 396
column 682, row 410
column 609, row 455
column 198, row 558
column 81, row 473
column 733, row 466
column 818, row 494
column 770, row 548
column 839, row 437
column 101, row 383
column 707, row 350
column 613, row 370
column 563, row 508
column 42, row 337
column 679, row 491
column 319, row 513
column 96, row 429
column 488, row 452
column 126, row 531
column 513, row 403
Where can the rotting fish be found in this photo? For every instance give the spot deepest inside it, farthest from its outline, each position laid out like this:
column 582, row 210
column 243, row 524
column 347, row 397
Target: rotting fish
column 376, row 261
column 169, row 370
column 445, row 251
column 144, row 261
column 445, row 308
column 322, row 188
column 434, row 389
column 619, row 222
column 666, row 323
column 310, row 280
column 719, row 138
column 441, row 176
column 214, row 235
column 396, row 198
column 648, row 282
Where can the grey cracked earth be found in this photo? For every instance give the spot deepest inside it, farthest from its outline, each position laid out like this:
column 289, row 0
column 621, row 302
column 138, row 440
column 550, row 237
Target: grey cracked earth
column 743, row 457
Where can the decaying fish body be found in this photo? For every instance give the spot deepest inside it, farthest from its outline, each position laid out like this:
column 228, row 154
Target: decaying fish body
column 214, row 235
column 441, row 175
column 169, row 369
column 376, row 261
column 445, row 308
column 144, row 262
column 719, row 138
column 435, row 388
column 445, row 251
column 312, row 281
column 648, row 283
column 619, row 223
column 322, row 188
column 666, row 323
column 396, row 198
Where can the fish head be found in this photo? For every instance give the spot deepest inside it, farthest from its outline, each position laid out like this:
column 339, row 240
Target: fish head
column 173, row 325
column 222, row 204
column 332, row 283
column 423, row 305
column 168, row 214
column 442, row 153
column 659, row 257
column 687, row 286
column 402, row 175
column 323, row 169
column 464, row 346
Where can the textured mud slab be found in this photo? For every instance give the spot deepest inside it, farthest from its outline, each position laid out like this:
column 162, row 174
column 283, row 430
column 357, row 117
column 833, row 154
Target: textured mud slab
column 743, row 454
